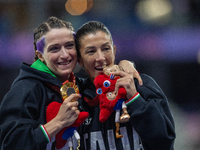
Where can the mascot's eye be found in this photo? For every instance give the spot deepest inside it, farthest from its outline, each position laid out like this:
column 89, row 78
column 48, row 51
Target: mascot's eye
column 99, row 91
column 106, row 83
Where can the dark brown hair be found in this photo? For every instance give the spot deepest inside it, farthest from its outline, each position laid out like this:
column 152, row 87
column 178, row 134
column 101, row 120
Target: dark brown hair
column 88, row 28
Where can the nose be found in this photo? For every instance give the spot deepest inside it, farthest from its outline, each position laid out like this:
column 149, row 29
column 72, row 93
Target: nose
column 64, row 52
column 100, row 56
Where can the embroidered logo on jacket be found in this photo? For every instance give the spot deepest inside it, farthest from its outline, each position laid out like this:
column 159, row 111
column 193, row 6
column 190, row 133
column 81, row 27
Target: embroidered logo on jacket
column 88, row 121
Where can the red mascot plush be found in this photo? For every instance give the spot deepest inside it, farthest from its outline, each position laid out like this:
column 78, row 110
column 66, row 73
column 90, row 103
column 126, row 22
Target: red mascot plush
column 108, row 100
column 66, row 133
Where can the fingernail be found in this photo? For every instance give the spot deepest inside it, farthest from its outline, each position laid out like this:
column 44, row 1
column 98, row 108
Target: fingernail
column 141, row 84
column 80, row 94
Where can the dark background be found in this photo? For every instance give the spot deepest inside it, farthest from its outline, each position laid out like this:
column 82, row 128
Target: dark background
column 162, row 37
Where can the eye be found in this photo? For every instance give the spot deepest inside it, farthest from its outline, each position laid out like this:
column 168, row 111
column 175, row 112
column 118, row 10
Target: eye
column 106, row 49
column 106, row 83
column 69, row 45
column 91, row 51
column 54, row 48
column 99, row 91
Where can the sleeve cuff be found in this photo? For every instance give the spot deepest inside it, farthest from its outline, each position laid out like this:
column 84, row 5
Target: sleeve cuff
column 45, row 133
column 132, row 99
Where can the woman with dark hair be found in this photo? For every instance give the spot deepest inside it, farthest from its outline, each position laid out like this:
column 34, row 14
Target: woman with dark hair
column 151, row 125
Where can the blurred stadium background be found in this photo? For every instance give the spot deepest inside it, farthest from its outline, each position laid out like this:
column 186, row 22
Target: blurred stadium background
column 162, row 37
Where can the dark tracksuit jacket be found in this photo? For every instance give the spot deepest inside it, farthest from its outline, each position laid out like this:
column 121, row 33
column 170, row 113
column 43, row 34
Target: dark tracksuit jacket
column 151, row 126
column 23, row 109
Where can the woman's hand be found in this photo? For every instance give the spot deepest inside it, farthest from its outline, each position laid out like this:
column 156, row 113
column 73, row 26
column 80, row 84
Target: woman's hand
column 67, row 115
column 130, row 69
column 125, row 81
column 68, row 112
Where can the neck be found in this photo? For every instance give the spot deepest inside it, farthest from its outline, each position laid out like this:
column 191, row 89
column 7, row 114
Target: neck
column 63, row 79
column 70, row 78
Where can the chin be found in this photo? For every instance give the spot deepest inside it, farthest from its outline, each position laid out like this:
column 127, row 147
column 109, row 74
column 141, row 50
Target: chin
column 65, row 74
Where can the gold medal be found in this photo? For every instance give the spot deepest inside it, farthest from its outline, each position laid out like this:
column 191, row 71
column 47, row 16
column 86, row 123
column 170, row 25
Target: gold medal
column 67, row 89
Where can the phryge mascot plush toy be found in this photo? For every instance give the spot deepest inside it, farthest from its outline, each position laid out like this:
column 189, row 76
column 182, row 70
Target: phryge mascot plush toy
column 108, row 100
column 64, row 136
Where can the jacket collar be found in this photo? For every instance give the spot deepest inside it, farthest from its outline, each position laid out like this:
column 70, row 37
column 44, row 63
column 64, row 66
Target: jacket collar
column 39, row 65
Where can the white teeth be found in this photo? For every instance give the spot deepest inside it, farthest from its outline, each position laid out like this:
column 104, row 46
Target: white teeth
column 65, row 63
column 99, row 67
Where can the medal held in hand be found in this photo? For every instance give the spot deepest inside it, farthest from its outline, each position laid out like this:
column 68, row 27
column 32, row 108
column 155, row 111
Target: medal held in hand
column 64, row 136
column 68, row 88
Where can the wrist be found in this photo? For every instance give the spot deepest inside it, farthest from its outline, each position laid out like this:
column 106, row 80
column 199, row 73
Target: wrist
column 53, row 127
column 133, row 98
column 45, row 132
column 131, row 94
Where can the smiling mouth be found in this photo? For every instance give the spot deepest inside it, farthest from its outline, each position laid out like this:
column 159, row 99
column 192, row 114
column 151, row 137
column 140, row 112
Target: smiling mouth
column 64, row 63
column 100, row 68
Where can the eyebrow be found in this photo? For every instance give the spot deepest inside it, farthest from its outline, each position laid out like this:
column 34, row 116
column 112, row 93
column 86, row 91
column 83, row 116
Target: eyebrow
column 59, row 44
column 106, row 43
column 50, row 46
column 90, row 47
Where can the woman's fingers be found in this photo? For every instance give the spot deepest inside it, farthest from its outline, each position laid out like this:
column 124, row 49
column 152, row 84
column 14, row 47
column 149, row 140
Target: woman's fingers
column 72, row 97
column 130, row 69
column 68, row 112
column 137, row 76
column 127, row 82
